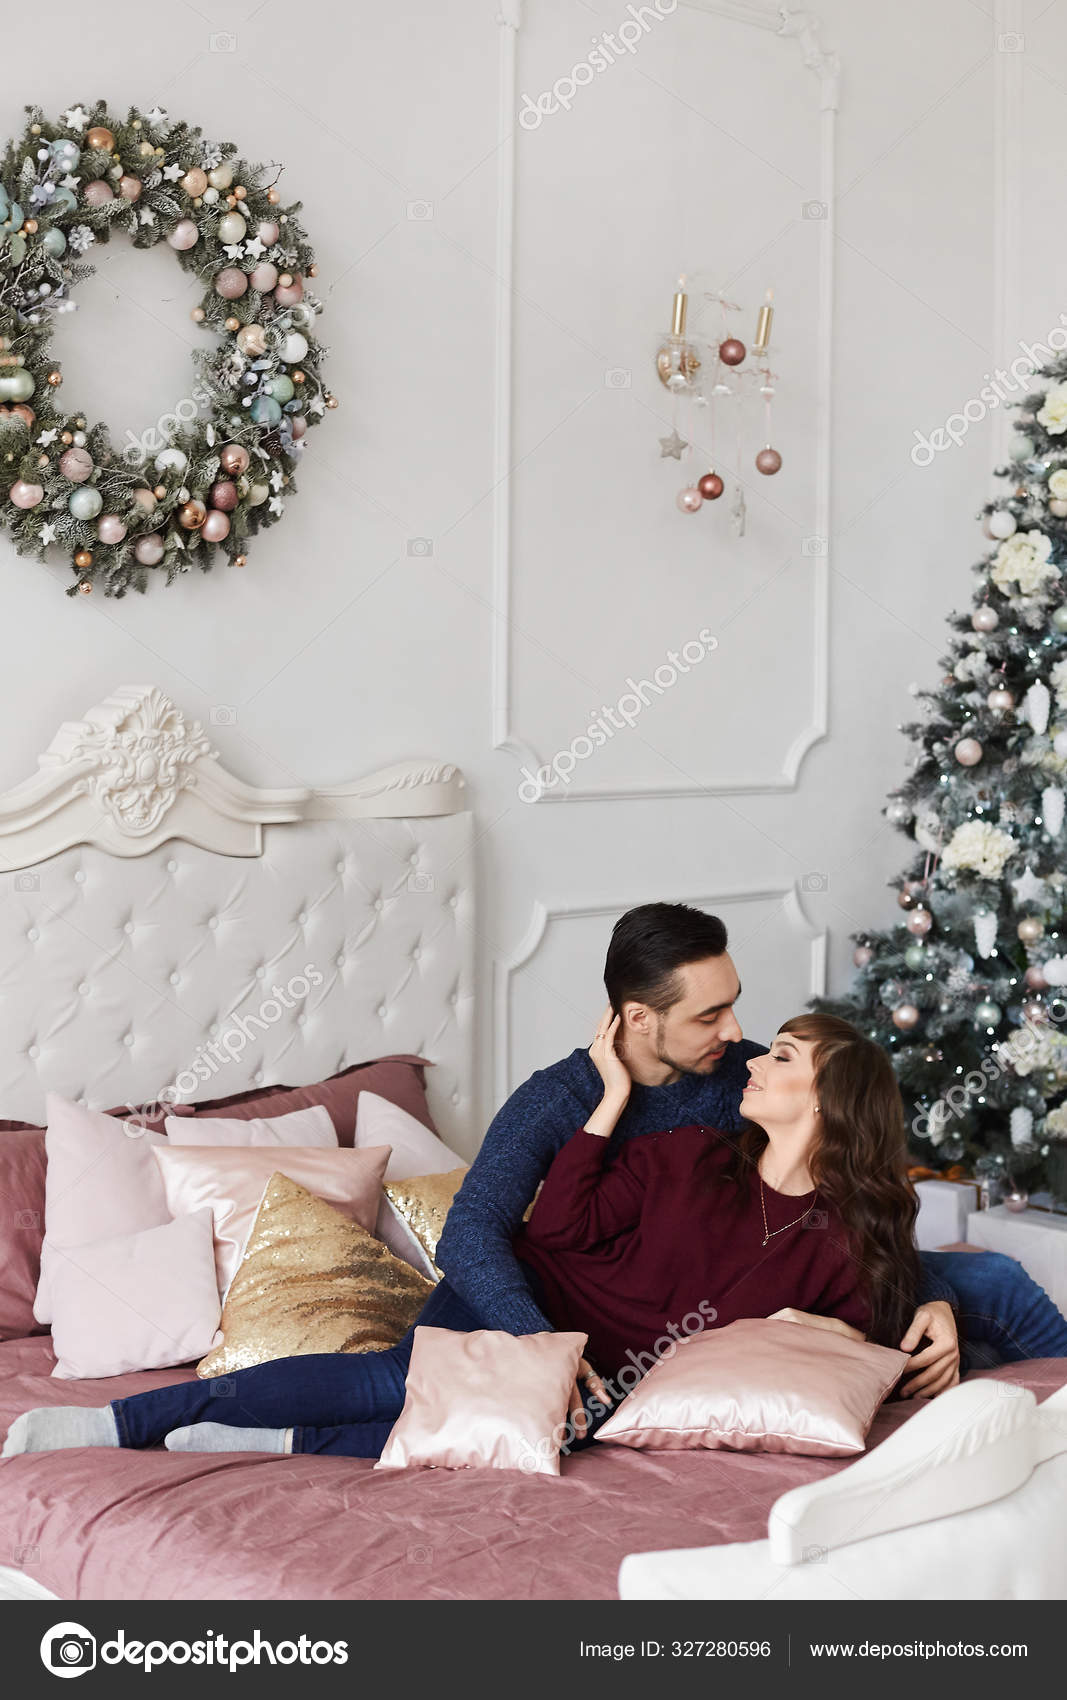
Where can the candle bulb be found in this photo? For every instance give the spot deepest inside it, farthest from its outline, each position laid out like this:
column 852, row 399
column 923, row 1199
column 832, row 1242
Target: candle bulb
column 763, row 324
column 678, row 311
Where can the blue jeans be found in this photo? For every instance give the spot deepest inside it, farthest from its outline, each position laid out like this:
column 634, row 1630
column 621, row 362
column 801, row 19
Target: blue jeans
column 343, row 1403
column 1003, row 1315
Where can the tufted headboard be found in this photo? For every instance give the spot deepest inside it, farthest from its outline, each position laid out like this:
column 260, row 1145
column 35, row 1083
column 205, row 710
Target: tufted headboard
column 165, row 926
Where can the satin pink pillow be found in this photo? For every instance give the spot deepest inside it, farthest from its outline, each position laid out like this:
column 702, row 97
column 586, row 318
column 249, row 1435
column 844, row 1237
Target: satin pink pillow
column 485, row 1398
column 759, row 1386
column 312, row 1128
column 229, row 1181
column 137, row 1301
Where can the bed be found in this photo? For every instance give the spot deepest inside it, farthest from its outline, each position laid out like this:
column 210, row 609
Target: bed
column 147, row 895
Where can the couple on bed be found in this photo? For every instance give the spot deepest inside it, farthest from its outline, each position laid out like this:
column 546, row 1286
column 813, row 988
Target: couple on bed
column 690, row 1178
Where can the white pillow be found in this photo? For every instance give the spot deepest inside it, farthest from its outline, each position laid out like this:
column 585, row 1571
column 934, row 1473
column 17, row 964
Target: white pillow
column 416, row 1151
column 311, row 1127
column 135, row 1301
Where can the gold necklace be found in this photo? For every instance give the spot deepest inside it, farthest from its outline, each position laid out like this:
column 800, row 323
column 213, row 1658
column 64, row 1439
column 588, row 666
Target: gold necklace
column 767, row 1232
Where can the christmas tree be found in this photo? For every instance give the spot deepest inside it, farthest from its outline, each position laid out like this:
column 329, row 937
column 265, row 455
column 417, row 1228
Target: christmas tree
column 968, row 993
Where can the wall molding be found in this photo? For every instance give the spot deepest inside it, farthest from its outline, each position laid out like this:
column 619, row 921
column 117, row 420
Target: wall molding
column 543, row 914
column 804, row 27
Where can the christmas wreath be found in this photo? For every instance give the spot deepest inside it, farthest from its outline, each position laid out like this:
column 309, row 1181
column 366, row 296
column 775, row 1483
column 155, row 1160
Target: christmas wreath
column 220, row 467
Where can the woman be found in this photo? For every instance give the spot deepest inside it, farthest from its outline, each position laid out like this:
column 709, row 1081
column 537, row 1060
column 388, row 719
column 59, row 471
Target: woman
column 807, row 1214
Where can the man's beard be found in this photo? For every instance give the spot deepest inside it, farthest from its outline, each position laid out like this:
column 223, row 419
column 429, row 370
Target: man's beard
column 706, row 1065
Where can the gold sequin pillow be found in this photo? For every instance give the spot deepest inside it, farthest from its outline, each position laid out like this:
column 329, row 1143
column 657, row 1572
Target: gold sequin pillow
column 422, row 1202
column 312, row 1280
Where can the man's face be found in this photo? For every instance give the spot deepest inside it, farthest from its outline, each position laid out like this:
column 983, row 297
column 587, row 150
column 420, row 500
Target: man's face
column 695, row 1031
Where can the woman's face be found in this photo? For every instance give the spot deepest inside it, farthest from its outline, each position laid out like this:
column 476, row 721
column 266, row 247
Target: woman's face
column 781, row 1086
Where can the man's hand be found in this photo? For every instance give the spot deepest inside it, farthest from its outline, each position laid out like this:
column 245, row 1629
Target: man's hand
column 833, row 1323
column 936, row 1368
column 588, row 1375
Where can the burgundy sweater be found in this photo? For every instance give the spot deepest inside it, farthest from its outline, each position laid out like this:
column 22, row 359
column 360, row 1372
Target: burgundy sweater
column 659, row 1236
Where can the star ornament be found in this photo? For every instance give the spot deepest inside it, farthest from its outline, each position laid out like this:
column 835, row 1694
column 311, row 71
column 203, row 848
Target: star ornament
column 48, row 533
column 173, row 171
column 670, row 448
column 76, row 118
column 1029, row 888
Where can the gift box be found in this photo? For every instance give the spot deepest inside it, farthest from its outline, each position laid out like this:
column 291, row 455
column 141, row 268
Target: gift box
column 944, row 1207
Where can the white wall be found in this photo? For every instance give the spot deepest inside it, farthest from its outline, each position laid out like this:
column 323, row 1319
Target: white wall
column 340, row 650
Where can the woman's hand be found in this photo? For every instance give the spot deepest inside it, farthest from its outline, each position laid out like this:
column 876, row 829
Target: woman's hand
column 578, row 1419
column 612, row 1071
column 938, row 1367
column 833, row 1323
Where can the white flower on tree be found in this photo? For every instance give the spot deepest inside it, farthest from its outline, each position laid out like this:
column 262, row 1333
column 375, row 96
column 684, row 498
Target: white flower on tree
column 1053, row 414
column 980, row 847
column 1022, row 562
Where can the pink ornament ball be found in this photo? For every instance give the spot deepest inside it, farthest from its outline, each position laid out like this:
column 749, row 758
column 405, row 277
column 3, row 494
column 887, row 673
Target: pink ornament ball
column 231, row 283
column 130, row 187
column 968, row 752
column 919, row 923
column 223, row 495
column 110, row 528
column 1035, row 979
column 26, row 495
column 264, row 277
column 905, row 1016
column 298, row 425
column 184, row 235
column 862, row 955
column 76, row 464
column 1058, row 507
column 98, row 193
column 985, row 619
column 267, row 232
column 710, row 486
column 1000, row 700
column 1030, row 929
column 145, row 499
column 768, row 461
column 689, row 500
column 234, row 458
column 216, row 526
column 287, row 295
column 149, row 549
column 732, row 351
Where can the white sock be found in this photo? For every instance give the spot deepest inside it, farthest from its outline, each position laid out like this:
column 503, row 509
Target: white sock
column 58, row 1426
column 220, row 1437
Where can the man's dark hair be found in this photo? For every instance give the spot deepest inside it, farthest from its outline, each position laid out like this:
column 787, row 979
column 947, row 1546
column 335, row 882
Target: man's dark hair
column 650, row 944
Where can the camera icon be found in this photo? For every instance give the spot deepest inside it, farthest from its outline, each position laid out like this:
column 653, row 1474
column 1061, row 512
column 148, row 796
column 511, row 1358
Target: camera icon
column 223, row 714
column 68, row 1649
column 223, row 41
column 223, row 1388
column 817, row 1219
column 617, row 378
column 420, row 1555
column 420, row 546
column 1010, row 1389
column 27, row 882
column 420, row 882
column 420, row 209
column 27, row 1220
column 814, row 546
column 27, row 1555
column 1011, row 42
column 815, row 882
column 814, row 209
column 813, row 1555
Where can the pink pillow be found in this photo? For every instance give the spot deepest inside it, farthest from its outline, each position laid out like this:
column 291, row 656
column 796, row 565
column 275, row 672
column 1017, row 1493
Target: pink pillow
column 415, row 1151
column 22, row 1180
column 401, row 1079
column 230, row 1183
column 101, row 1181
column 137, row 1301
column 485, row 1398
column 310, row 1128
column 759, row 1386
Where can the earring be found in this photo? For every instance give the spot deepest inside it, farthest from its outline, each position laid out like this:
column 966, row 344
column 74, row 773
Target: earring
column 816, row 1108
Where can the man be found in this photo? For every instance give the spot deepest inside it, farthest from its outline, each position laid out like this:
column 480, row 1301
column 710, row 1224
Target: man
column 670, row 978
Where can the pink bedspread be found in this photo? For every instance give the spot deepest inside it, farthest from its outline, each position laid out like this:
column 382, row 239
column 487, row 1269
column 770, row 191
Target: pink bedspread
column 103, row 1525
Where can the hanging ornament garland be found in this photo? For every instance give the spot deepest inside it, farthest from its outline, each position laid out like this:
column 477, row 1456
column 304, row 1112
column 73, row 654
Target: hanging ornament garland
column 220, row 467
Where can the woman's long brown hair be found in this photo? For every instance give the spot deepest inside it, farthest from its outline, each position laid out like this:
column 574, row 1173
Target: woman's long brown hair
column 858, row 1162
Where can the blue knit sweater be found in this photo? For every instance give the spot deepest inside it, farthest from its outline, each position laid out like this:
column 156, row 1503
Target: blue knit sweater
column 475, row 1248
